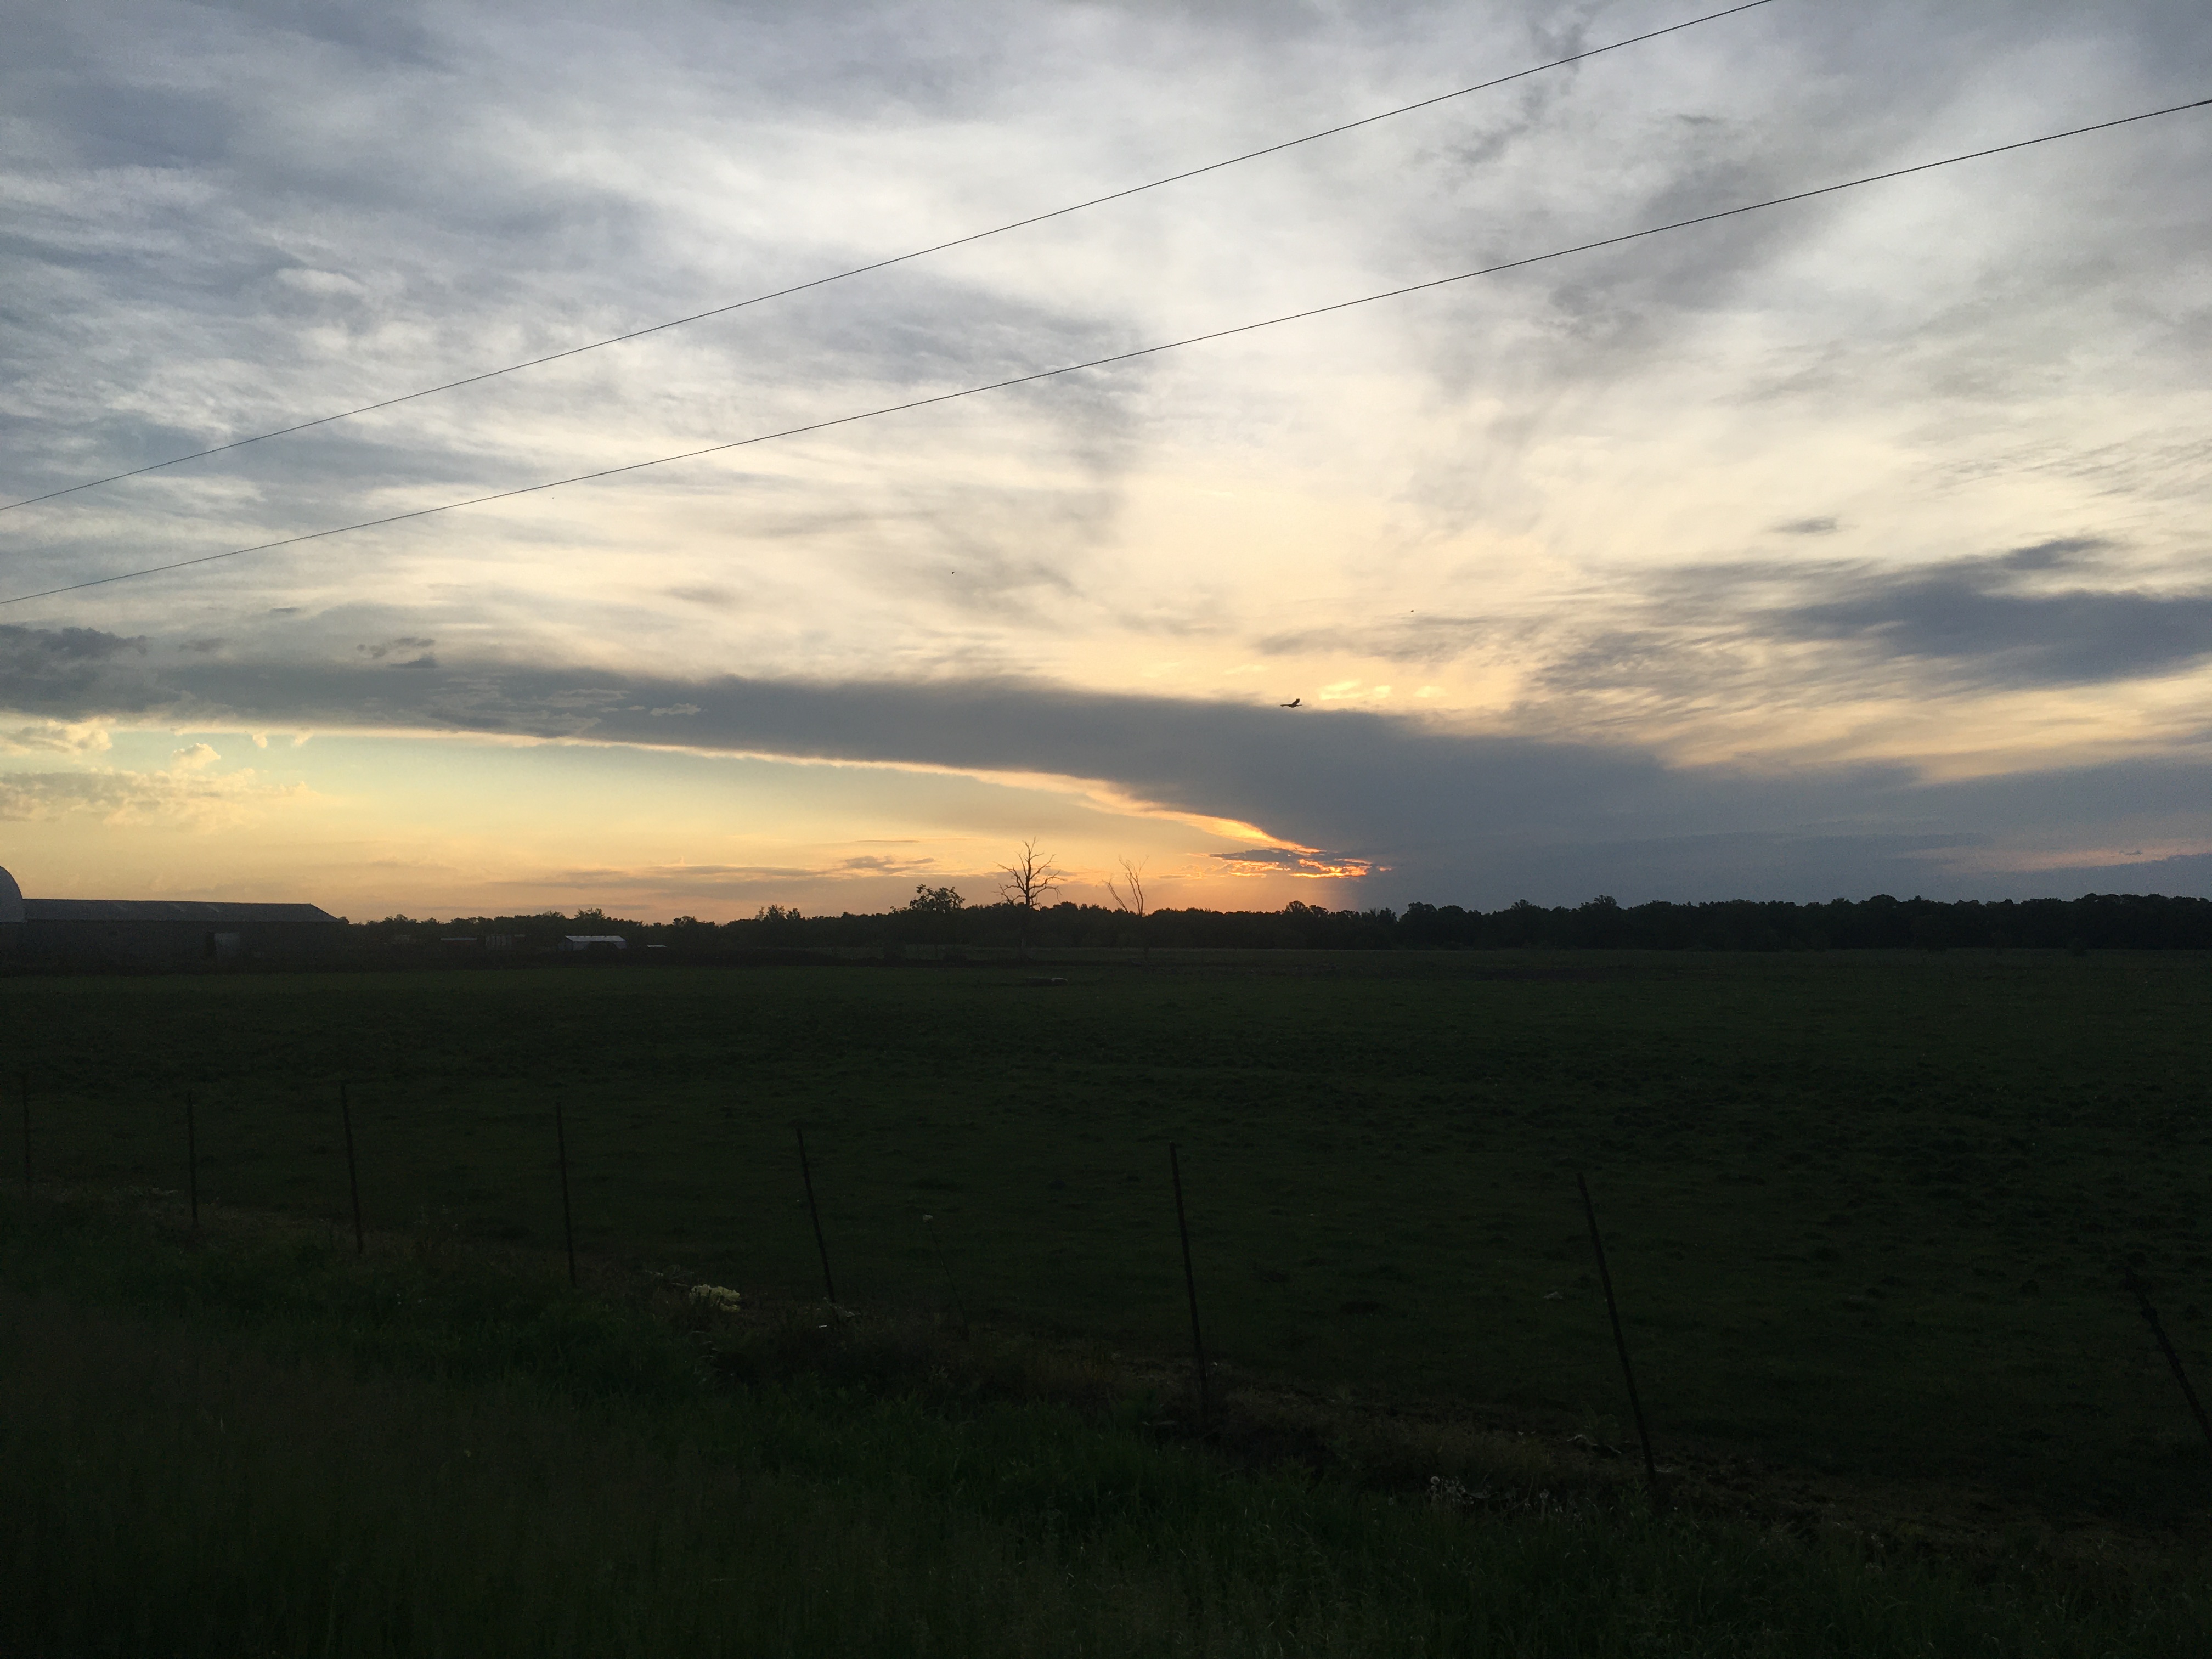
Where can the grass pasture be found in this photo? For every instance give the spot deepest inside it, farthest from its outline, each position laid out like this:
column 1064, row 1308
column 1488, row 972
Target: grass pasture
column 1866, row 1212
column 248, row 1441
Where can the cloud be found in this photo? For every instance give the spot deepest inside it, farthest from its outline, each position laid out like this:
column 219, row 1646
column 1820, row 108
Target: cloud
column 184, row 796
column 1974, row 631
column 688, row 882
column 664, row 875
column 1991, row 621
column 1304, row 861
column 1427, row 809
column 1427, row 640
column 2060, row 552
column 1535, row 491
column 398, row 649
column 56, row 669
column 882, row 864
column 2035, row 617
column 55, row 737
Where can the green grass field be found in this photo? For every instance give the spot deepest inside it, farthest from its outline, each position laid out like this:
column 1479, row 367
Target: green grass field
column 247, row 1441
column 1866, row 1212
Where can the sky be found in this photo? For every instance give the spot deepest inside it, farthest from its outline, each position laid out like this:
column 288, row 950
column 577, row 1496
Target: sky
column 1853, row 545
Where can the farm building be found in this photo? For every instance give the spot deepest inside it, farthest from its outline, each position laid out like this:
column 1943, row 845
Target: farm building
column 158, row 932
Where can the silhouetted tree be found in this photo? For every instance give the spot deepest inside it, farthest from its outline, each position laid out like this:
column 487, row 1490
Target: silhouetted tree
column 778, row 924
column 932, row 915
column 2095, row 922
column 1133, row 901
column 1029, row 881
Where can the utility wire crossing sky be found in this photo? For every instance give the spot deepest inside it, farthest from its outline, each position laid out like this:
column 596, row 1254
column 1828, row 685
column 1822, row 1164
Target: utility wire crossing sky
column 1118, row 357
column 895, row 260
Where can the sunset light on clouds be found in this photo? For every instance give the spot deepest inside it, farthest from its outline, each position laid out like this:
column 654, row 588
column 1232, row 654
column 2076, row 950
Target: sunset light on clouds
column 1853, row 545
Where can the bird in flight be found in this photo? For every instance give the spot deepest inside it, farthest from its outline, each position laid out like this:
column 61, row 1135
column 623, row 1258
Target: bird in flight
column 1292, row 703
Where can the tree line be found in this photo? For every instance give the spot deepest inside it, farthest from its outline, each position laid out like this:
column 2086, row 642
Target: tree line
column 938, row 920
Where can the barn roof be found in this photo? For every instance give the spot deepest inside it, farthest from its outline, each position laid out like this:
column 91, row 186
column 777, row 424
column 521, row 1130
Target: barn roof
column 171, row 910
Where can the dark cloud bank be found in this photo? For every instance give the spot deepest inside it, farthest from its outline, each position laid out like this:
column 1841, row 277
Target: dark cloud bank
column 1996, row 620
column 1455, row 817
column 2055, row 613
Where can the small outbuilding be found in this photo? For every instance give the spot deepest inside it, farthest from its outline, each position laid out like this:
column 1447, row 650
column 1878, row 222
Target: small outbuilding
column 594, row 945
column 159, row 933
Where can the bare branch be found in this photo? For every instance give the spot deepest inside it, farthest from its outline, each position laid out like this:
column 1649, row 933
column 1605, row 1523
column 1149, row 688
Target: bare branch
column 1133, row 901
column 1030, row 879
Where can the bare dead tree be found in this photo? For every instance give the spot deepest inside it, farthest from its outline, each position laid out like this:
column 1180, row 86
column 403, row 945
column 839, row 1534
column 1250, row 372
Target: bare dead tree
column 1133, row 901
column 1030, row 880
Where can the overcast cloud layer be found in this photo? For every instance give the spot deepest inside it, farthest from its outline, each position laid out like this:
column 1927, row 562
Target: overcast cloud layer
column 1857, row 545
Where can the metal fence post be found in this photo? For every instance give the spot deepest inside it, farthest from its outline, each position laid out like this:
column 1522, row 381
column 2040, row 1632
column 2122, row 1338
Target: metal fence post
column 806, row 1174
column 1190, row 1288
column 1620, row 1342
column 352, row 1174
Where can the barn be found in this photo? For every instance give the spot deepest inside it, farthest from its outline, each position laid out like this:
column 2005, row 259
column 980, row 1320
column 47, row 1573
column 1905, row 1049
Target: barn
column 158, row 932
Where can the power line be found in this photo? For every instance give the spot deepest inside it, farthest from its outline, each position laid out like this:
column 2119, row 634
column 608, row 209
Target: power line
column 882, row 265
column 1119, row 357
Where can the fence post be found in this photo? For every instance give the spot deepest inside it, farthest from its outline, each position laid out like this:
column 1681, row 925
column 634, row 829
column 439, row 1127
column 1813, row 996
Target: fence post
column 1190, row 1288
column 1620, row 1343
column 23, row 1095
column 192, row 1160
column 806, row 1174
column 2166, row 1346
column 353, row 1175
column 567, row 1223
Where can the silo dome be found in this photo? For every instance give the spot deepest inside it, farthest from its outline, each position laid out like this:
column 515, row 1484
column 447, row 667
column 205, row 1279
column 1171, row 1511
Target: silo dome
column 11, row 899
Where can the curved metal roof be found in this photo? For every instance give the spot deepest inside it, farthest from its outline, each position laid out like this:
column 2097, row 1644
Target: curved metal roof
column 170, row 910
column 15, row 908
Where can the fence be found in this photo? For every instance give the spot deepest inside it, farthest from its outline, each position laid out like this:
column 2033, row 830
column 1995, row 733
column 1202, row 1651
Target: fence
column 1160, row 1236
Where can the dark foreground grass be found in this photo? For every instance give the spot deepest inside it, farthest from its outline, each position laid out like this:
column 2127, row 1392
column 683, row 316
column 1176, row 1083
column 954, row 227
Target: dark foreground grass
column 1868, row 1214
column 258, row 1445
